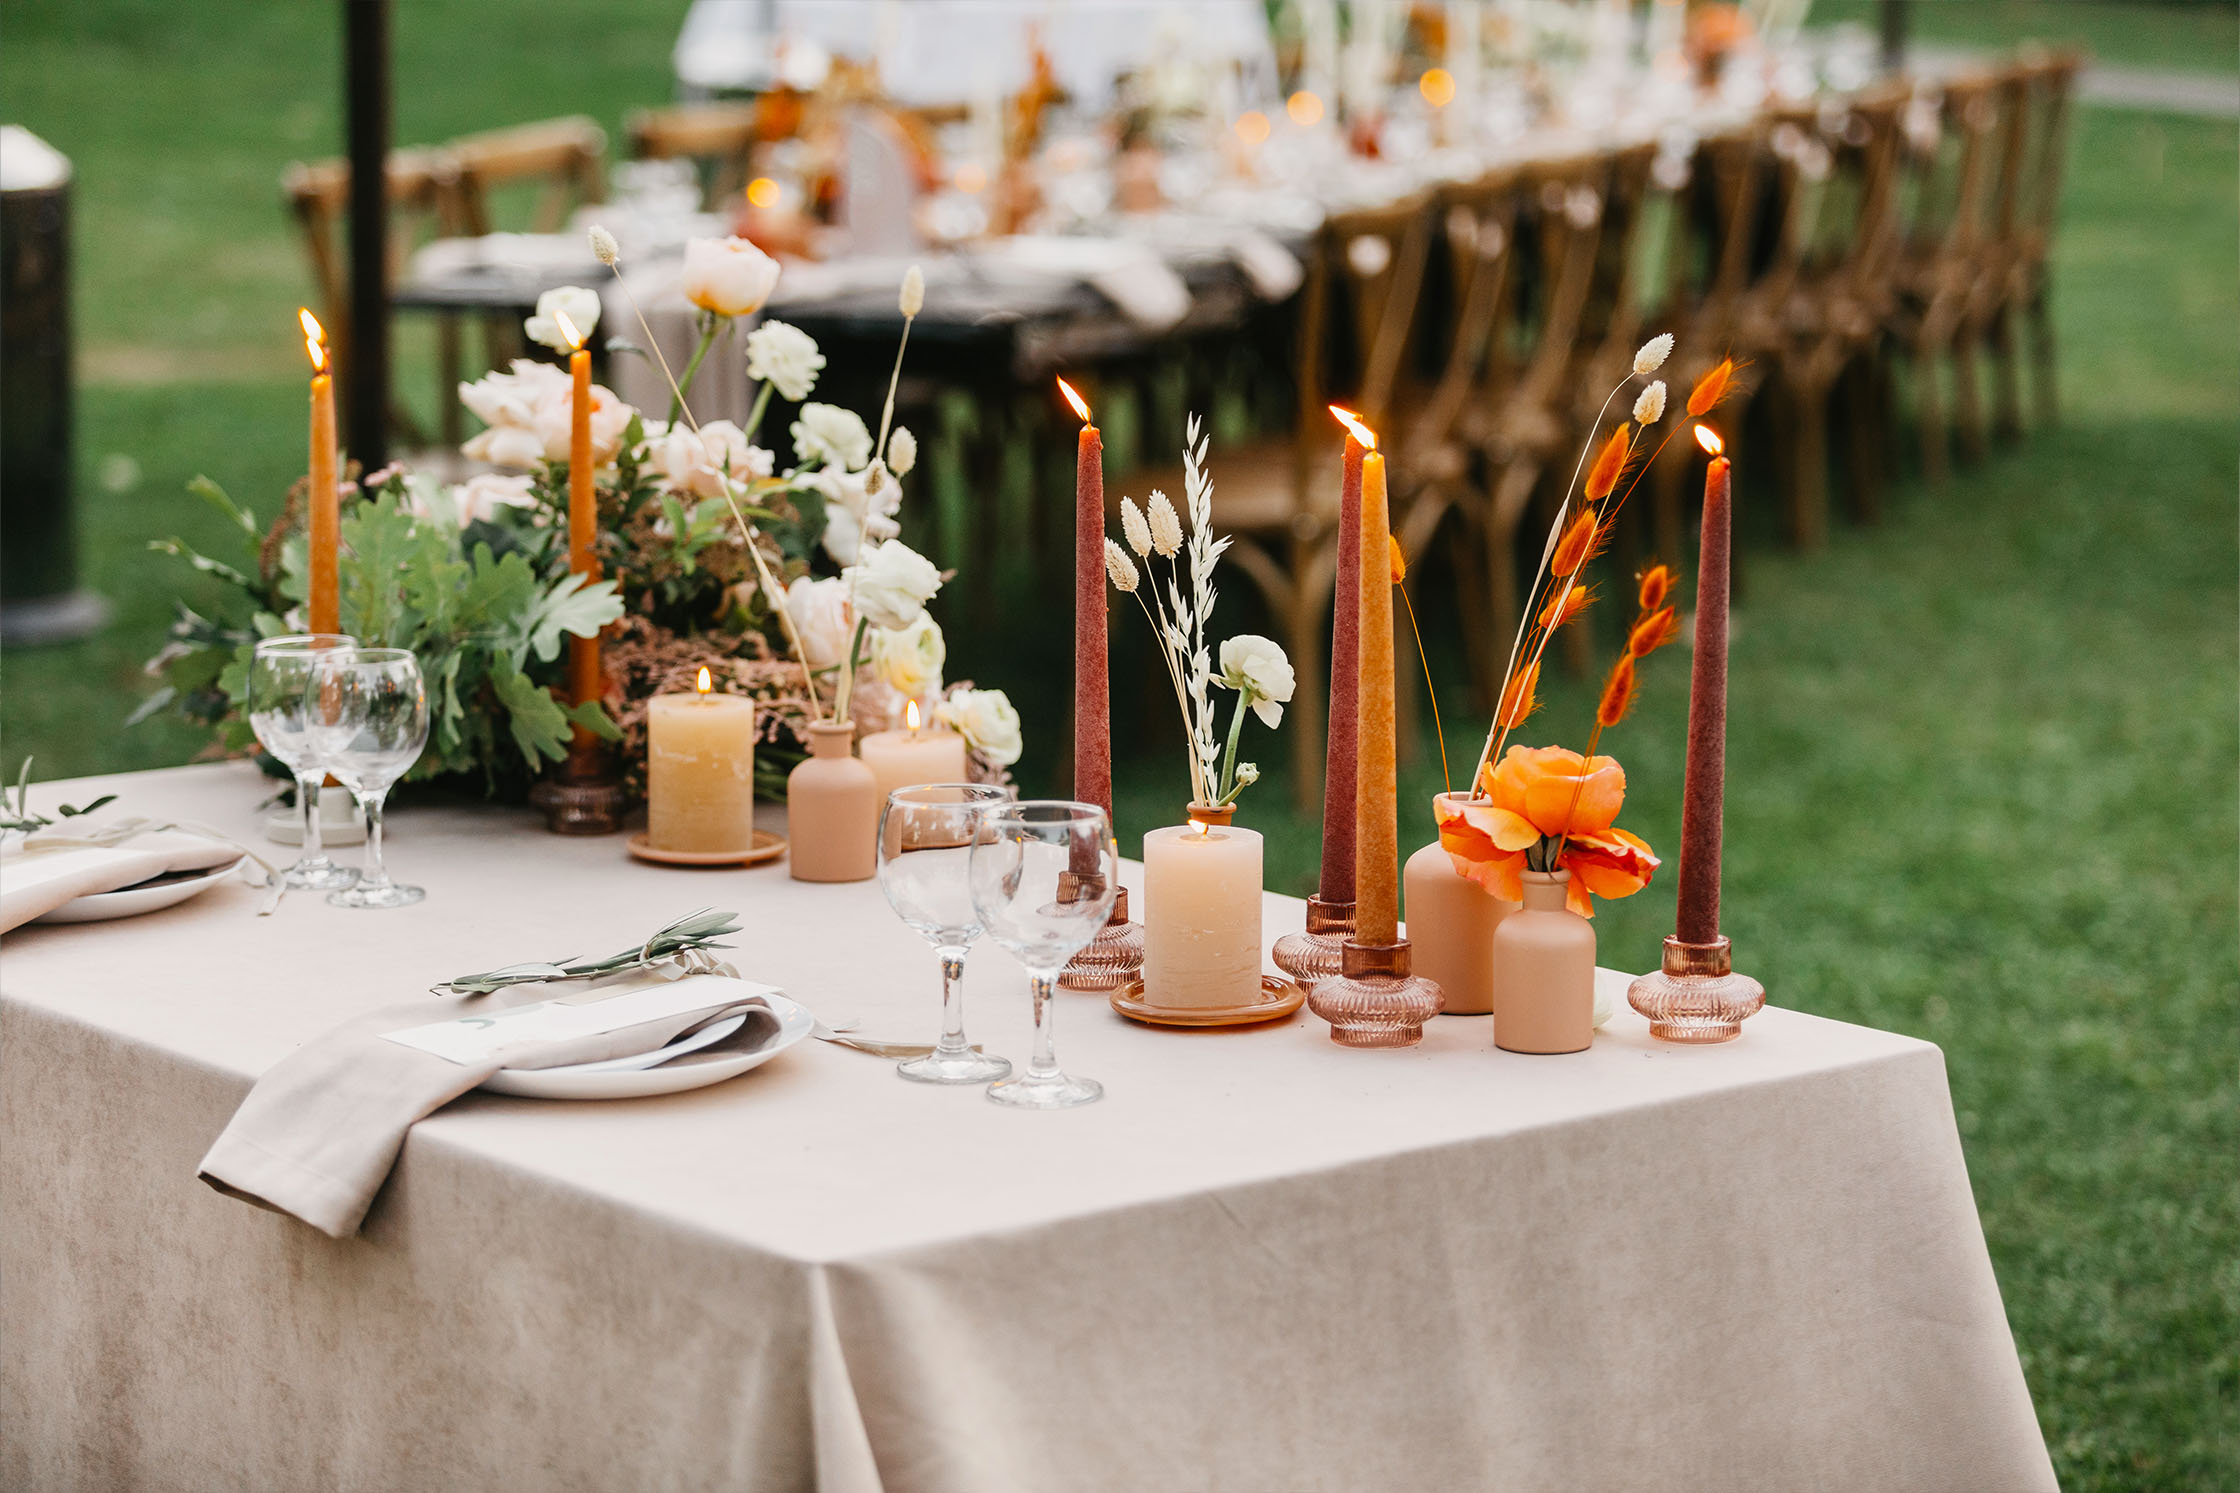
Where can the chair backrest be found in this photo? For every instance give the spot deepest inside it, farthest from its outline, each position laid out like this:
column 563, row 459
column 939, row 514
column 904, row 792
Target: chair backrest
column 1479, row 222
column 2049, row 80
column 1949, row 214
column 1561, row 216
column 565, row 156
column 318, row 198
column 719, row 139
column 1714, row 235
column 1372, row 260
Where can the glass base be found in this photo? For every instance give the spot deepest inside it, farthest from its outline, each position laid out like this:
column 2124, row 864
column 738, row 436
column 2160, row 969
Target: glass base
column 1376, row 1000
column 1696, row 997
column 1112, row 959
column 964, row 1067
column 391, row 895
column 318, row 875
column 1049, row 1091
column 1318, row 953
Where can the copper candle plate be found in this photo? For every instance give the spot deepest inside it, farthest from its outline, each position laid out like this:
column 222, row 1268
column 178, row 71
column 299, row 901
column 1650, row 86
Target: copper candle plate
column 768, row 846
column 1278, row 998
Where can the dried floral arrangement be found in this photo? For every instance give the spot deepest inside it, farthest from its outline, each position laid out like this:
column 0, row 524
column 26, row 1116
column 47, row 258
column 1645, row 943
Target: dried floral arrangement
column 790, row 585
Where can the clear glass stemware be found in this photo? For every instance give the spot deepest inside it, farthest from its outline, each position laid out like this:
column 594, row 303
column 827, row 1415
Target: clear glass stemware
column 1043, row 874
column 925, row 850
column 279, row 682
column 368, row 713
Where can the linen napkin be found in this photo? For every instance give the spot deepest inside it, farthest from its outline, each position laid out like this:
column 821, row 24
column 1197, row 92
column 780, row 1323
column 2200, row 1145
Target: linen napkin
column 320, row 1131
column 40, row 872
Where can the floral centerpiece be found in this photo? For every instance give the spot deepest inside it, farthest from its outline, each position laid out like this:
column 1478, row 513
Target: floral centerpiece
column 789, row 583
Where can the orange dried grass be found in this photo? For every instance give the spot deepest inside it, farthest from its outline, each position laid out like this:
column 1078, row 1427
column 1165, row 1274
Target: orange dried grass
column 1572, row 602
column 1656, row 585
column 1520, row 699
column 1617, row 693
column 1610, row 463
column 1577, row 544
column 1652, row 631
column 1711, row 388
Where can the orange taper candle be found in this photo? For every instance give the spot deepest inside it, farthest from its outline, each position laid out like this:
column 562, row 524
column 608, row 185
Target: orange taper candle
column 1376, row 877
column 325, row 499
column 583, row 519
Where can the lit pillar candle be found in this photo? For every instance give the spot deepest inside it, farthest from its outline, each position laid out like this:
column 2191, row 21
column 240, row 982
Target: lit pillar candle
column 1344, row 741
column 911, row 756
column 1201, row 916
column 324, row 602
column 700, row 771
column 583, row 519
column 1092, row 693
column 1703, row 801
column 1376, row 889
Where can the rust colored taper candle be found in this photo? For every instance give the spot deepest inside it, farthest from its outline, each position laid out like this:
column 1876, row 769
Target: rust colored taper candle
column 1697, row 997
column 323, row 602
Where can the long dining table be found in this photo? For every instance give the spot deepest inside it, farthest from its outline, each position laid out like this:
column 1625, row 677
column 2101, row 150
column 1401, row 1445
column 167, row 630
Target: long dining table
column 1263, row 1262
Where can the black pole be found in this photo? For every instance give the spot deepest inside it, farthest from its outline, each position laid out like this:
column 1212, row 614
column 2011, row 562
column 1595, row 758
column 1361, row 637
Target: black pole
column 365, row 67
column 1894, row 19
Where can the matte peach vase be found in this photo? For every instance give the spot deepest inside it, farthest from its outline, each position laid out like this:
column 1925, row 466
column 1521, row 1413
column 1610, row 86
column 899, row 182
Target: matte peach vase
column 1543, row 972
column 1451, row 921
column 832, row 809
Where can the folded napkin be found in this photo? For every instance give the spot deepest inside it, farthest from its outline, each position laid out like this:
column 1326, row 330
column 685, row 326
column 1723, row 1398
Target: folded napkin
column 321, row 1130
column 83, row 857
column 1132, row 276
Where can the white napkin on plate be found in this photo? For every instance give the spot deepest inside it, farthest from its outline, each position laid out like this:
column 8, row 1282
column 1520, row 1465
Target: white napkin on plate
column 41, row 871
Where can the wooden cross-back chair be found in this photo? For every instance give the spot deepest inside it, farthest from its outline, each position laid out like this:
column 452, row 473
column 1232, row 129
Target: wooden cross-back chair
column 719, row 139
column 2037, row 122
column 564, row 157
column 318, row 198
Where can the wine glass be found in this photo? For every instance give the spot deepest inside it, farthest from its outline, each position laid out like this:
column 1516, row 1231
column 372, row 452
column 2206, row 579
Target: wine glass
column 279, row 681
column 1043, row 874
column 369, row 719
column 925, row 849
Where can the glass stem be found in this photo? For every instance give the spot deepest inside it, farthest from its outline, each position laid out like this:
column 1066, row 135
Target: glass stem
column 307, row 815
column 376, row 874
column 952, row 1042
column 1045, row 1064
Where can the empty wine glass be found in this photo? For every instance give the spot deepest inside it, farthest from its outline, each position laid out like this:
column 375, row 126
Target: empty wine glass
column 925, row 851
column 279, row 683
column 1043, row 875
column 368, row 711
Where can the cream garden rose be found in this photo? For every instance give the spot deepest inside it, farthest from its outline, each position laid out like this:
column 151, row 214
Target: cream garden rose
column 697, row 462
column 527, row 412
column 1258, row 668
column 822, row 618
column 728, row 276
column 892, row 583
column 910, row 661
column 853, row 513
column 987, row 721
column 581, row 306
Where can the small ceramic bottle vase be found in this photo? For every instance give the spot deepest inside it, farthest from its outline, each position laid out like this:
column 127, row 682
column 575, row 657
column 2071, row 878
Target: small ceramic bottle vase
column 1543, row 972
column 832, row 810
column 1451, row 921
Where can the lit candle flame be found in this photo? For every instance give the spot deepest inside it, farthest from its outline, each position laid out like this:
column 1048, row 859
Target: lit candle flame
column 1203, row 829
column 314, row 339
column 705, row 682
column 1709, row 440
column 1080, row 405
column 910, row 717
column 1352, row 422
column 567, row 328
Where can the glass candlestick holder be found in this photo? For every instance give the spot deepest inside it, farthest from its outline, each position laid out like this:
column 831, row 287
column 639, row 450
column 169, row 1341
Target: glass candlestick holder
column 585, row 797
column 1318, row 953
column 1113, row 959
column 1376, row 999
column 1697, row 997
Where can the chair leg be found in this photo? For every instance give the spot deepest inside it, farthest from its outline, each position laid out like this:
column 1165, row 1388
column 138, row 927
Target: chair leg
column 1936, row 445
column 1967, row 391
column 2042, row 357
column 1808, row 454
column 2006, row 378
column 1862, row 406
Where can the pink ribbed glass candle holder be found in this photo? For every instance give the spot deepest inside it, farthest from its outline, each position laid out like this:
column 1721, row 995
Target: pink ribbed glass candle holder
column 1697, row 997
column 1318, row 953
column 1376, row 999
column 1113, row 959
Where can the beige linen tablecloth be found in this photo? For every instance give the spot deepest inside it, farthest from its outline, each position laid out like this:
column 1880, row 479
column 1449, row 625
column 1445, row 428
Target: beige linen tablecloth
column 1263, row 1263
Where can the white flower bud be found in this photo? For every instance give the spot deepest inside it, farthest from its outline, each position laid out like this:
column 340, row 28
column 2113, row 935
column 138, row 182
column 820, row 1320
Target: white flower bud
column 913, row 291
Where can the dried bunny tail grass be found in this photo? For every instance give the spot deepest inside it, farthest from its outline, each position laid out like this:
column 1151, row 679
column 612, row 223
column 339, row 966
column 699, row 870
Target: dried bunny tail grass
column 1564, row 607
column 1617, row 694
column 1122, row 569
column 1577, row 543
column 1652, row 632
column 1520, row 699
column 1397, row 557
column 1656, row 585
column 1652, row 354
column 1610, row 463
column 1711, row 388
column 1649, row 408
column 1133, row 525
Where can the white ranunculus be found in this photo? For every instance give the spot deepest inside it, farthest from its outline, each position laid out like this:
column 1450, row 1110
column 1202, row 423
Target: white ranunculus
column 697, row 462
column 527, row 410
column 1258, row 668
column 609, row 417
column 730, row 452
column 728, row 276
column 892, row 584
column 785, row 357
column 819, row 609
column 902, row 451
column 832, row 435
column 581, row 306
column 987, row 722
column 514, row 397
column 854, row 514
column 910, row 661
column 480, row 497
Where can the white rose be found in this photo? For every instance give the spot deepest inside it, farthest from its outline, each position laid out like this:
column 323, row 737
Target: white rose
column 506, row 446
column 1257, row 668
column 728, row 276
column 987, row 722
column 910, row 661
column 832, row 435
column 902, row 451
column 892, row 584
column 609, row 417
column 729, row 452
column 821, row 618
column 852, row 512
column 581, row 306
column 527, row 411
column 513, row 398
column 784, row 357
column 480, row 498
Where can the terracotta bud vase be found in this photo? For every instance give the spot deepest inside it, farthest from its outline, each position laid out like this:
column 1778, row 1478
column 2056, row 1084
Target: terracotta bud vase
column 1543, row 972
column 1451, row 921
column 832, row 809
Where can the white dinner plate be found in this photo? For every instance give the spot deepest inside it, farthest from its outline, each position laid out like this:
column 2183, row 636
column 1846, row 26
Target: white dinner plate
column 159, row 892
column 686, row 1068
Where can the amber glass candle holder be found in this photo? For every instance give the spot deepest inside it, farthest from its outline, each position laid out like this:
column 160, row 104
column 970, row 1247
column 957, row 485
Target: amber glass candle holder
column 1697, row 997
column 585, row 797
column 1376, row 999
column 1113, row 959
column 1318, row 953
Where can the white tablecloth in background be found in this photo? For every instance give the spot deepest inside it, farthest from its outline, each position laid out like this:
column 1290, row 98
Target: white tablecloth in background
column 1263, row 1263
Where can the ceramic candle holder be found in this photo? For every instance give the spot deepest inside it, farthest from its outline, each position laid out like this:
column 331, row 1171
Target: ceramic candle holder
column 1318, row 953
column 1697, row 997
column 1376, row 999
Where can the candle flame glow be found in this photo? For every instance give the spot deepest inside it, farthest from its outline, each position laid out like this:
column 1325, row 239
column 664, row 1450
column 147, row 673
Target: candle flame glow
column 1709, row 440
column 705, row 682
column 314, row 339
column 1252, row 127
column 1080, row 405
column 910, row 716
column 1305, row 108
column 1437, row 87
column 1352, row 422
column 762, row 192
column 1203, row 829
column 567, row 328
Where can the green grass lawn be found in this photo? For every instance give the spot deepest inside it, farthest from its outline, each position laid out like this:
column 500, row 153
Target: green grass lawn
column 1982, row 774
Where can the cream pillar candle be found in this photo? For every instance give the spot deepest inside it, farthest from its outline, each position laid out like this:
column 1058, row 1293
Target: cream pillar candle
column 1201, row 918
column 700, row 771
column 913, row 756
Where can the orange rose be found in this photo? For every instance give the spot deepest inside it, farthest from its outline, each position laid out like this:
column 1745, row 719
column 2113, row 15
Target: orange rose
column 1544, row 793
